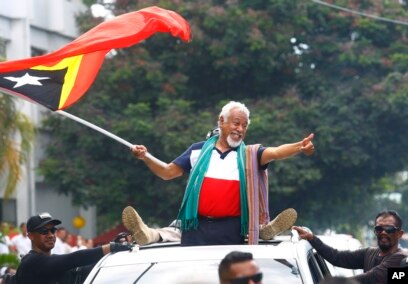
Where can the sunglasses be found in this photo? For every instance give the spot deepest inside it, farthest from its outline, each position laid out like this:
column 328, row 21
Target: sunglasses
column 387, row 229
column 244, row 280
column 44, row 231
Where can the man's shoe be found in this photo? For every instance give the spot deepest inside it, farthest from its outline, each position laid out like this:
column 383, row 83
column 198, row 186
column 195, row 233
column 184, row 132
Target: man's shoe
column 141, row 234
column 284, row 221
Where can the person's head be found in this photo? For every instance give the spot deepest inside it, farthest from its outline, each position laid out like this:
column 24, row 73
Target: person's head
column 123, row 237
column 41, row 231
column 388, row 229
column 23, row 229
column 239, row 268
column 89, row 243
column 62, row 233
column 233, row 122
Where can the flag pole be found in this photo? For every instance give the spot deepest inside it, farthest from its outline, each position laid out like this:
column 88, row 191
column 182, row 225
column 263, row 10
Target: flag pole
column 97, row 128
column 93, row 126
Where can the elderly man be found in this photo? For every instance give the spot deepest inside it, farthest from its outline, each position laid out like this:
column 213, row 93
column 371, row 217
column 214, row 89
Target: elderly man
column 226, row 197
column 40, row 267
column 374, row 261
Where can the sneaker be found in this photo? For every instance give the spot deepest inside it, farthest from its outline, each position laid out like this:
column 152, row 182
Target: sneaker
column 141, row 234
column 284, row 221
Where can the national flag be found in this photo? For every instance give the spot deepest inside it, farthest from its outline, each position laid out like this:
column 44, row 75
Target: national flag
column 59, row 79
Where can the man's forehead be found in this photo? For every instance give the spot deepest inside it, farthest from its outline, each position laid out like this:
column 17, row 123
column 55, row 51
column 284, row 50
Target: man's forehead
column 241, row 117
column 243, row 268
column 389, row 219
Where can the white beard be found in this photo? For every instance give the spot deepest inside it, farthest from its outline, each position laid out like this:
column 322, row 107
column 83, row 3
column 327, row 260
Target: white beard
column 233, row 143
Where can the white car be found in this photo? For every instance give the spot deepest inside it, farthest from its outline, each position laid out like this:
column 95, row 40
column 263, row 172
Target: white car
column 288, row 261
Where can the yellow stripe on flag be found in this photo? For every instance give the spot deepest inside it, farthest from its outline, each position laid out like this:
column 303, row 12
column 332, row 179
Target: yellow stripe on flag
column 72, row 64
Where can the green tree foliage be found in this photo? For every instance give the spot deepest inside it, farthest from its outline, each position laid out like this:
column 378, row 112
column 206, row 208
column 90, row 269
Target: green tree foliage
column 16, row 136
column 300, row 67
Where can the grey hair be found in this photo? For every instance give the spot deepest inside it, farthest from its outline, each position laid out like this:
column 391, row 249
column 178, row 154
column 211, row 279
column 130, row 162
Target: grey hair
column 226, row 110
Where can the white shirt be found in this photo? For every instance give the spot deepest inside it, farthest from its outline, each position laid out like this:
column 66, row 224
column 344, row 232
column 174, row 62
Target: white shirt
column 22, row 244
column 60, row 247
column 4, row 244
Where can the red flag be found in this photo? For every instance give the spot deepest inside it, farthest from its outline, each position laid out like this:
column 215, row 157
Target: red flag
column 58, row 79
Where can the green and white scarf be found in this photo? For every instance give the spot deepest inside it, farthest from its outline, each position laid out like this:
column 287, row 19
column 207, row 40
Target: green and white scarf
column 188, row 214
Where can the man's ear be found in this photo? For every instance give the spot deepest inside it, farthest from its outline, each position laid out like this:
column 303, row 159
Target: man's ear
column 221, row 120
column 30, row 236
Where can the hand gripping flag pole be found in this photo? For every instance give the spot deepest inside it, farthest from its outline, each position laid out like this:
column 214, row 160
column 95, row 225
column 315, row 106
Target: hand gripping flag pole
column 59, row 79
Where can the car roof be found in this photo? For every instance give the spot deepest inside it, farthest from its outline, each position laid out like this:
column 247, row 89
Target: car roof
column 174, row 252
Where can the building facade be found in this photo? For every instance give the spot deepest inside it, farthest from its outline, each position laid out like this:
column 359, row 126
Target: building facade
column 30, row 28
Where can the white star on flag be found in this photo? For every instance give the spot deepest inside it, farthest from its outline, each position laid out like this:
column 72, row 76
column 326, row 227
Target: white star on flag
column 27, row 79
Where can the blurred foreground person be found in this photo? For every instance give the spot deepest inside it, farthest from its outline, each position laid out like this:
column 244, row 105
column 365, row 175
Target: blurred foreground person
column 239, row 267
column 374, row 261
column 39, row 266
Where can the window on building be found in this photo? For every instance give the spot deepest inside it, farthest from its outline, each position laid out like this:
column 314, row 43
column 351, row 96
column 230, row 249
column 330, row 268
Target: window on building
column 8, row 210
column 37, row 52
column 2, row 49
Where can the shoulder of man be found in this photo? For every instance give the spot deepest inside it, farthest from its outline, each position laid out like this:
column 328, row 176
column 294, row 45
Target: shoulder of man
column 400, row 253
column 31, row 256
column 197, row 145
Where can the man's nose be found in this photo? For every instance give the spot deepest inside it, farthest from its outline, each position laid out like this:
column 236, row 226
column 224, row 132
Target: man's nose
column 241, row 128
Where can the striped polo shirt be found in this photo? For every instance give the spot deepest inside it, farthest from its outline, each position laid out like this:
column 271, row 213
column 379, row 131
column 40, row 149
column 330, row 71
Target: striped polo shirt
column 220, row 194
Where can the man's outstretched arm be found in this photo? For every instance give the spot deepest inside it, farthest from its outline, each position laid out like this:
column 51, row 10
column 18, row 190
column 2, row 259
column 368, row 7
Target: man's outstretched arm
column 165, row 171
column 288, row 150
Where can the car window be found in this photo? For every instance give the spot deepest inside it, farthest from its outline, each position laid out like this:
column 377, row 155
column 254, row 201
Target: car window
column 120, row 273
column 280, row 271
column 193, row 272
column 314, row 267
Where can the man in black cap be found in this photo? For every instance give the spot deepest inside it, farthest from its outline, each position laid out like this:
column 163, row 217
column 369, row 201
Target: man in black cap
column 39, row 266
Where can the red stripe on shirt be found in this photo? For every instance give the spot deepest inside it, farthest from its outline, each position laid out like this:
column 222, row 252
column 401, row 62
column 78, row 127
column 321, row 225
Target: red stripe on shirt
column 219, row 198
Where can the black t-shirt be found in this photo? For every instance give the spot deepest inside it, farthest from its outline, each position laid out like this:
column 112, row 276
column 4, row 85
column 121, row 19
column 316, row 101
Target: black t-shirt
column 38, row 268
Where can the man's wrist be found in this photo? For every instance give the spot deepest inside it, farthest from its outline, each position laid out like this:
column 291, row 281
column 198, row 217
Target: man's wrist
column 106, row 249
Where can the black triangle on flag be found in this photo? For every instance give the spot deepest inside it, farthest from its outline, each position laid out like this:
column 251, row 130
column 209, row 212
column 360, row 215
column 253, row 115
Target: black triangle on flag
column 41, row 86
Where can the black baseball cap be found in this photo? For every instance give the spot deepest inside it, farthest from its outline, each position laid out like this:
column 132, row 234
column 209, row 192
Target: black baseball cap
column 40, row 220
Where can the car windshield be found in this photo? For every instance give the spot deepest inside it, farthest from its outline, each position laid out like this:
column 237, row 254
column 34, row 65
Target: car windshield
column 193, row 272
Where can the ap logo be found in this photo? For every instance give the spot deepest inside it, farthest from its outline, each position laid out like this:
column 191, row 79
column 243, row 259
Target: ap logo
column 398, row 275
